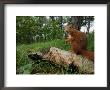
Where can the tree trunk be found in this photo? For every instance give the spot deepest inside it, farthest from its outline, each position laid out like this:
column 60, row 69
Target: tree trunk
column 61, row 18
column 76, row 20
column 88, row 26
column 79, row 22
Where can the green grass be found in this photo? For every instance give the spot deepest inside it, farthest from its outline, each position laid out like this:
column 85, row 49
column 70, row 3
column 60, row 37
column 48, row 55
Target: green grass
column 90, row 45
column 24, row 65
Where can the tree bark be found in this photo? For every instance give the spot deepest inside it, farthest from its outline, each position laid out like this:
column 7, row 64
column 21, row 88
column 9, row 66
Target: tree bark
column 76, row 20
column 88, row 26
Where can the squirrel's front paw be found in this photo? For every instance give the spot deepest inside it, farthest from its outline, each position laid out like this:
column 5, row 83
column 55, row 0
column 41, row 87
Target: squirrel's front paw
column 70, row 51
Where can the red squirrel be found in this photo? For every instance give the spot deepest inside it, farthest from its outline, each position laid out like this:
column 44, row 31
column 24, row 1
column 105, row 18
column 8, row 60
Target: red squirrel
column 78, row 41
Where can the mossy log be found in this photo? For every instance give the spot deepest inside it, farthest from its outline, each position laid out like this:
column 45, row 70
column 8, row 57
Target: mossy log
column 66, row 58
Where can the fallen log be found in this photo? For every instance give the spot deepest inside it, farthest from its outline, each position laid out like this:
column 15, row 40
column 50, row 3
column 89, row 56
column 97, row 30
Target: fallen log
column 66, row 58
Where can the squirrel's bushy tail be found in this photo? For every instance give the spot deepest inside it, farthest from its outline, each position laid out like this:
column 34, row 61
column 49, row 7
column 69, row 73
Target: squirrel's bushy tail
column 88, row 54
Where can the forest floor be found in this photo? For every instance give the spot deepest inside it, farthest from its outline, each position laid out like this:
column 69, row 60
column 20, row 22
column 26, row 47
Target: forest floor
column 24, row 65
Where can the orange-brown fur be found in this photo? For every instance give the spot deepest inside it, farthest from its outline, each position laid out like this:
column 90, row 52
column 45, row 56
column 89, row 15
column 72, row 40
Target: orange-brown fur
column 78, row 41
